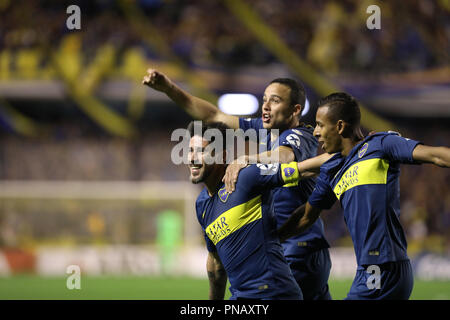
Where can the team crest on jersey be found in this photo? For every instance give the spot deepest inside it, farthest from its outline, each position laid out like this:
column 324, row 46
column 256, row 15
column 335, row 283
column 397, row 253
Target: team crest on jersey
column 294, row 140
column 223, row 195
column 363, row 150
column 288, row 171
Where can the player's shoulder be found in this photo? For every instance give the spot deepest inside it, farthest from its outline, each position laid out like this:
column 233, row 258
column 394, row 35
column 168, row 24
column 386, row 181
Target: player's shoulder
column 295, row 137
column 381, row 135
column 332, row 164
column 200, row 205
column 202, row 197
column 253, row 171
column 303, row 131
column 378, row 141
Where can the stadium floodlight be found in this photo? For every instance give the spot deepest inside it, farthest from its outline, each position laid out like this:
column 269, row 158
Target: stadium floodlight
column 306, row 108
column 238, row 103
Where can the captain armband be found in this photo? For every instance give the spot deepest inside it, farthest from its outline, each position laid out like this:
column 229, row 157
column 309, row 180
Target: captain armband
column 290, row 173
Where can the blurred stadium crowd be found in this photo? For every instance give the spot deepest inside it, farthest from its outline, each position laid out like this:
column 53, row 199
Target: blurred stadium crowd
column 425, row 190
column 203, row 34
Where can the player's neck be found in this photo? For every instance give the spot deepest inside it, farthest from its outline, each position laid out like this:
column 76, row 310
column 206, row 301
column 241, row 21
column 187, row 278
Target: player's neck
column 214, row 180
column 349, row 143
column 294, row 123
column 347, row 146
column 274, row 134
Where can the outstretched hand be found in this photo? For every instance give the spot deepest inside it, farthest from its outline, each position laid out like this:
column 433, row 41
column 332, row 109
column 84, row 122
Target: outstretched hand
column 156, row 80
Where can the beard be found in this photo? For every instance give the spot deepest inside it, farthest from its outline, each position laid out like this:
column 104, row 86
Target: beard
column 197, row 179
column 203, row 174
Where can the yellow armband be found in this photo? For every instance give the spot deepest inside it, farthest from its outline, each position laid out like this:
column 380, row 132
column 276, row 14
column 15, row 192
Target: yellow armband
column 290, row 174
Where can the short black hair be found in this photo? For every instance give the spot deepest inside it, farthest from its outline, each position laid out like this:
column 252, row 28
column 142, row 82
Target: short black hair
column 222, row 127
column 298, row 95
column 342, row 106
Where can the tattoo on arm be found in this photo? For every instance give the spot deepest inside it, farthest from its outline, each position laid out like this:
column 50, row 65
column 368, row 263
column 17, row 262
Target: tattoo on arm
column 217, row 278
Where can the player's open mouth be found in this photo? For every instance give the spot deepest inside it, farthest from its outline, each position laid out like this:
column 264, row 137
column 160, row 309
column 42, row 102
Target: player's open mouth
column 195, row 169
column 266, row 117
column 322, row 144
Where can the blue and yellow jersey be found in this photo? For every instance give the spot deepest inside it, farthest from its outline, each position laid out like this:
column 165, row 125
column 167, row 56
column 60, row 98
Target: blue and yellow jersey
column 366, row 183
column 289, row 197
column 241, row 227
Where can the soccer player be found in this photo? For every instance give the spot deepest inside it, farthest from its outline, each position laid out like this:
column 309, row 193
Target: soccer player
column 239, row 228
column 307, row 253
column 364, row 176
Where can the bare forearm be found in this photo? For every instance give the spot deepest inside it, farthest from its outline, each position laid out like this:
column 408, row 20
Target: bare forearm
column 217, row 278
column 442, row 157
column 217, row 284
column 311, row 167
column 439, row 156
column 279, row 155
column 264, row 158
column 299, row 221
column 197, row 108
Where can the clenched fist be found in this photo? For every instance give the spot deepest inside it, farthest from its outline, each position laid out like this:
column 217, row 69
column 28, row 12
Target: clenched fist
column 157, row 80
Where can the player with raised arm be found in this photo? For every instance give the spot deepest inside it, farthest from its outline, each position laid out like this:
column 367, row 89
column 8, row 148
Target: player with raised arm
column 364, row 176
column 283, row 101
column 240, row 228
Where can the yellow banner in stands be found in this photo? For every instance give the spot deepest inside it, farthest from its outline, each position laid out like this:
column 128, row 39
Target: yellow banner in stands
column 276, row 46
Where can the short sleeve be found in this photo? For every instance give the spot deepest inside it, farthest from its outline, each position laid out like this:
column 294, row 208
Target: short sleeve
column 291, row 140
column 302, row 143
column 199, row 211
column 399, row 149
column 209, row 244
column 322, row 196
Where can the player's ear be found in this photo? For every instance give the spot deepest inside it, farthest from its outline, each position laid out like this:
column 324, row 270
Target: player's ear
column 297, row 110
column 344, row 129
column 341, row 127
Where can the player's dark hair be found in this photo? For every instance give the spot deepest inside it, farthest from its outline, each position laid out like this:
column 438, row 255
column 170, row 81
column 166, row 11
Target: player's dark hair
column 222, row 127
column 298, row 95
column 342, row 106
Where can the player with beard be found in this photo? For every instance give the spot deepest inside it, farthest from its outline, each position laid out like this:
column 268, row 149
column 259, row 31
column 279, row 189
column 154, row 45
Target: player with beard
column 240, row 228
column 283, row 101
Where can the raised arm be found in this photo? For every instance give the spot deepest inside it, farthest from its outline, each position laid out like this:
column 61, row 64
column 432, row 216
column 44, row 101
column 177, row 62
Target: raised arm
column 217, row 277
column 439, row 156
column 300, row 220
column 197, row 108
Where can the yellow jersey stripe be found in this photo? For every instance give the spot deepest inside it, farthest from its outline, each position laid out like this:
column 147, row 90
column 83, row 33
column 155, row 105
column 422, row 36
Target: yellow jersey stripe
column 234, row 219
column 372, row 171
